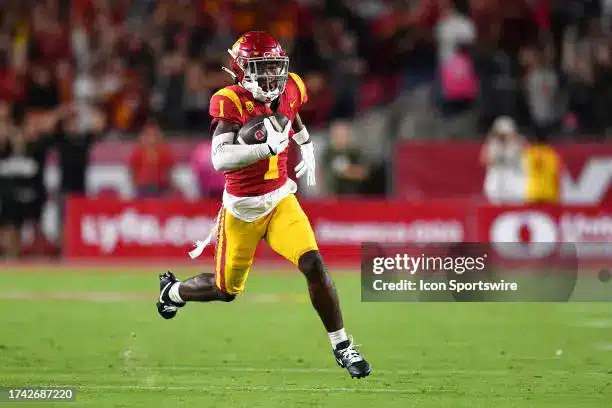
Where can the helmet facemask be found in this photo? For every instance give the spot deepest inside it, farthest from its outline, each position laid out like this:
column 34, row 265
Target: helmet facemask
column 265, row 78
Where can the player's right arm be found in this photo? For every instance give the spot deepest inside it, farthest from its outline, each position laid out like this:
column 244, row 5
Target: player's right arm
column 229, row 156
column 227, row 117
column 227, row 113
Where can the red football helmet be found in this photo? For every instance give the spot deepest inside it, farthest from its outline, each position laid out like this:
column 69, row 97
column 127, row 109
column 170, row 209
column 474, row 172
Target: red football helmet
column 260, row 65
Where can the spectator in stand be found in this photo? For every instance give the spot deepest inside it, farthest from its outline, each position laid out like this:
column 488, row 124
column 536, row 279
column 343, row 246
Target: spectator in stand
column 171, row 83
column 42, row 91
column 455, row 33
column 603, row 84
column 37, row 146
column 7, row 129
column 578, row 68
column 502, row 156
column 151, row 163
column 338, row 47
column 320, row 101
column 544, row 96
column 10, row 81
column 7, row 125
column 345, row 165
column 74, row 132
column 453, row 29
column 500, row 86
column 7, row 235
column 458, row 80
column 197, row 96
column 511, row 23
column 129, row 107
column 49, row 39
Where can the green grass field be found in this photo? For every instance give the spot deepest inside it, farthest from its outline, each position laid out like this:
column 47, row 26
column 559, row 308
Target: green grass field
column 99, row 330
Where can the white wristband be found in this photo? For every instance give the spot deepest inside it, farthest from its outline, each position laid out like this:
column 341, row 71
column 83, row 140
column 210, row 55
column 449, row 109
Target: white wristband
column 302, row 136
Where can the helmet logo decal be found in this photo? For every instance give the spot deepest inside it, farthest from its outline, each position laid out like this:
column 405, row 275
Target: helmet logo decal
column 259, row 134
column 236, row 45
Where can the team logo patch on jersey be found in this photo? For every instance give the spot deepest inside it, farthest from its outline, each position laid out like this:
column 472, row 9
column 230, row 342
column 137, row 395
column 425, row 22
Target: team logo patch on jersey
column 250, row 106
column 259, row 135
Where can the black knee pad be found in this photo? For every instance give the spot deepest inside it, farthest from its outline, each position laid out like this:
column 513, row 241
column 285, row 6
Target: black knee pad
column 311, row 264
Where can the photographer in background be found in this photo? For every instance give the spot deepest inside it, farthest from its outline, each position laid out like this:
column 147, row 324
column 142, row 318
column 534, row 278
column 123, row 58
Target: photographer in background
column 22, row 160
column 502, row 155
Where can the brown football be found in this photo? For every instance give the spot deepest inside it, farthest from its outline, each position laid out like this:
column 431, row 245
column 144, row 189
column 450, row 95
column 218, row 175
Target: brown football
column 254, row 131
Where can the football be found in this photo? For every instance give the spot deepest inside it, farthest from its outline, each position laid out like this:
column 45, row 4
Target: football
column 254, row 131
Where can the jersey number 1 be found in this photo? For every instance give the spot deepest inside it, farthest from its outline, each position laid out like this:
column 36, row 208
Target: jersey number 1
column 272, row 172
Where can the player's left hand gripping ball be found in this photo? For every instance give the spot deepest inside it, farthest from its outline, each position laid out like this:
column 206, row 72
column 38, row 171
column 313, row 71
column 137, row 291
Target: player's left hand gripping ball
column 307, row 165
column 277, row 140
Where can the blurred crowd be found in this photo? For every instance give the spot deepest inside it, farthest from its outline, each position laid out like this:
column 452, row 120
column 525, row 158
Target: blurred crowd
column 546, row 64
column 76, row 71
column 539, row 60
column 543, row 62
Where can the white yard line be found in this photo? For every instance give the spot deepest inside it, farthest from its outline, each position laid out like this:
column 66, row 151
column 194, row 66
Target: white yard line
column 250, row 388
column 115, row 297
column 594, row 324
column 52, row 371
column 425, row 371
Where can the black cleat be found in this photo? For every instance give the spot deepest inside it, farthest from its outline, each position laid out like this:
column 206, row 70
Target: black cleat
column 166, row 307
column 348, row 357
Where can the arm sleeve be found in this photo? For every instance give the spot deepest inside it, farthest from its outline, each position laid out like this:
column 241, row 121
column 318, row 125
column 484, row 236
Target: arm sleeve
column 228, row 156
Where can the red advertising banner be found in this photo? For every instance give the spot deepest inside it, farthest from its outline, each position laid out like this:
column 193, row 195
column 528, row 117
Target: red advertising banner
column 433, row 170
column 341, row 226
column 111, row 228
column 542, row 231
column 107, row 227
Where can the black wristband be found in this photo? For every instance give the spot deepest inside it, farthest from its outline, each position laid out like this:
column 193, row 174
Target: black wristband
column 306, row 142
column 271, row 151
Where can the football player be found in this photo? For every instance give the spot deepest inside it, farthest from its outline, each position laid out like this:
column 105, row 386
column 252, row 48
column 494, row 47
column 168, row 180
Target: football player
column 259, row 200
